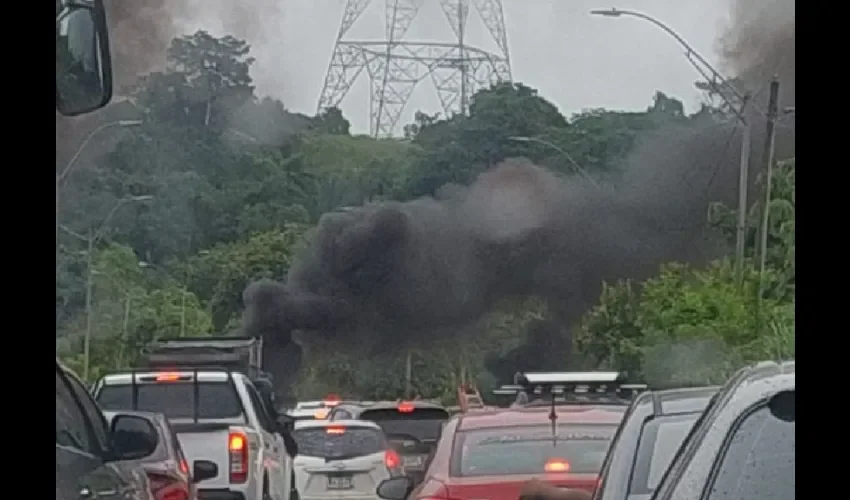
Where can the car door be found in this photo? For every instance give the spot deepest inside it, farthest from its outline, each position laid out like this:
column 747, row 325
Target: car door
column 80, row 471
column 274, row 451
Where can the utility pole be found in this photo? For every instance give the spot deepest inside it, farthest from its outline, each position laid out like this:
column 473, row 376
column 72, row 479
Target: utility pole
column 767, row 157
column 89, row 280
column 743, row 185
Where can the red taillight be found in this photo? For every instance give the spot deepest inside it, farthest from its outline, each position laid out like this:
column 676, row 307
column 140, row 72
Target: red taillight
column 237, row 446
column 405, row 407
column 392, row 459
column 184, row 467
column 331, row 400
column 166, row 487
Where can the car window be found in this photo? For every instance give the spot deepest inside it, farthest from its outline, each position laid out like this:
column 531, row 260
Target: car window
column 339, row 441
column 260, row 409
column 425, row 424
column 71, row 428
column 341, row 414
column 579, row 449
column 759, row 463
column 659, row 441
column 175, row 400
column 95, row 416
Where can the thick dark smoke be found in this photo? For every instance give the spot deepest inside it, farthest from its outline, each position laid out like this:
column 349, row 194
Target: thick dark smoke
column 406, row 272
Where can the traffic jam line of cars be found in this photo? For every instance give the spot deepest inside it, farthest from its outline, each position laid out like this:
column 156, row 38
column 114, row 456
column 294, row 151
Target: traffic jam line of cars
column 211, row 433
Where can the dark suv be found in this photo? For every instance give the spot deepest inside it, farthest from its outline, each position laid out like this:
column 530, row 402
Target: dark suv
column 90, row 454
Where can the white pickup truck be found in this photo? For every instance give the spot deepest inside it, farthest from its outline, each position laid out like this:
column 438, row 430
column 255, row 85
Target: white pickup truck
column 218, row 415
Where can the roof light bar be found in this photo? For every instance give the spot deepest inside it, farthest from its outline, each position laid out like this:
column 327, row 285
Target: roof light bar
column 551, row 378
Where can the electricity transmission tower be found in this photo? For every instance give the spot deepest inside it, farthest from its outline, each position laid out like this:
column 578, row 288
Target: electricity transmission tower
column 395, row 65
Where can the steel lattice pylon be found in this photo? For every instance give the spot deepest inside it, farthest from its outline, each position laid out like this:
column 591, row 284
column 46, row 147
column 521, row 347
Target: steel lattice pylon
column 395, row 66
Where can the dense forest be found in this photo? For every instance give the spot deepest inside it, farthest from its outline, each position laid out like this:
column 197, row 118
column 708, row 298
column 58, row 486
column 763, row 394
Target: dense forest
column 217, row 187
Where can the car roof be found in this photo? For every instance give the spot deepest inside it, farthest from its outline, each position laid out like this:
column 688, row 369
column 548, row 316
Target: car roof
column 319, row 424
column 392, row 405
column 678, row 401
column 539, row 416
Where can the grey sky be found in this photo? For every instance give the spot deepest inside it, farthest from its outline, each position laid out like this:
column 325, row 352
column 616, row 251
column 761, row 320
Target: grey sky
column 576, row 60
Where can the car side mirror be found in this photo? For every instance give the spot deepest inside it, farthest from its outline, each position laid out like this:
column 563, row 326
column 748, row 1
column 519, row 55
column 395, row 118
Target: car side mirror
column 396, row 488
column 133, row 437
column 203, row 470
column 83, row 61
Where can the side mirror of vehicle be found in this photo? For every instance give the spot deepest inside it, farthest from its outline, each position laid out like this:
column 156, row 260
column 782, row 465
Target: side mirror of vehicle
column 203, row 470
column 396, row 488
column 83, row 61
column 133, row 437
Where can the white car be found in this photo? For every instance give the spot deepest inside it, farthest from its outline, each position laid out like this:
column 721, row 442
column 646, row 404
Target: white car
column 342, row 459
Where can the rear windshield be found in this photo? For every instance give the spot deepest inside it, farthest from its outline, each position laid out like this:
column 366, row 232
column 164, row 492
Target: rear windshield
column 659, row 441
column 339, row 442
column 176, row 400
column 527, row 449
column 424, row 424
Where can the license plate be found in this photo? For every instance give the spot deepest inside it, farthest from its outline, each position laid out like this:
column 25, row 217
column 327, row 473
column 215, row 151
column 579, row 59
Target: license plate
column 413, row 462
column 340, row 483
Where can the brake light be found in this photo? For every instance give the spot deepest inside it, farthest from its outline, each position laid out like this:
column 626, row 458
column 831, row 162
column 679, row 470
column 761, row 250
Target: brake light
column 332, row 400
column 165, row 487
column 556, row 465
column 237, row 447
column 336, row 430
column 168, row 377
column 392, row 459
column 405, row 407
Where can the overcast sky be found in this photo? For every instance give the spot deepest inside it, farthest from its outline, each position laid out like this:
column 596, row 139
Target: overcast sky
column 576, row 60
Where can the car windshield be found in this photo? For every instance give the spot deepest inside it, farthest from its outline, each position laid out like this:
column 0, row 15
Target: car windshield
column 760, row 461
column 176, row 400
column 424, row 424
column 339, row 441
column 659, row 441
column 528, row 449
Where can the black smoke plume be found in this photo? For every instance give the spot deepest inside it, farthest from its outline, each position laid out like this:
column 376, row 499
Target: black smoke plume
column 407, row 272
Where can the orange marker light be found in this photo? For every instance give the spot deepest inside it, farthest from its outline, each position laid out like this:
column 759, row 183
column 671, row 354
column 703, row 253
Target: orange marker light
column 405, row 407
column 321, row 414
column 556, row 465
column 336, row 430
column 167, row 377
column 237, row 442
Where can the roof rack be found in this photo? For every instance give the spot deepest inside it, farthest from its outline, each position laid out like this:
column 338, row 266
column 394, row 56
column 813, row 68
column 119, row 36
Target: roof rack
column 551, row 388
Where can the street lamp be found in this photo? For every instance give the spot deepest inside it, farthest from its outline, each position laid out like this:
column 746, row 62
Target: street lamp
column 73, row 161
column 559, row 149
column 92, row 238
column 716, row 81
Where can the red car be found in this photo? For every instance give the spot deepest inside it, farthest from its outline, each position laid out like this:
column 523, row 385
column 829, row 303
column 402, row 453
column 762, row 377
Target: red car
column 491, row 454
